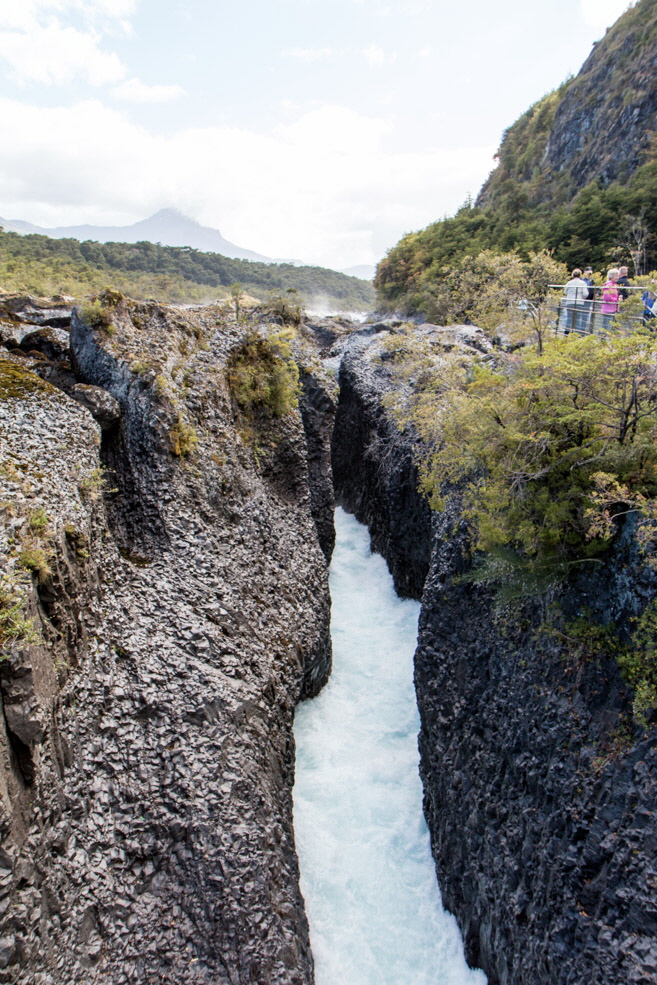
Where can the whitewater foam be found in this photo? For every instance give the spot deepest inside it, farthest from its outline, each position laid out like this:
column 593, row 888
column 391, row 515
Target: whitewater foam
column 373, row 903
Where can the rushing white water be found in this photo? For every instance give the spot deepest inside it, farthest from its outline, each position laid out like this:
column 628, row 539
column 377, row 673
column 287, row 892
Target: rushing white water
column 367, row 875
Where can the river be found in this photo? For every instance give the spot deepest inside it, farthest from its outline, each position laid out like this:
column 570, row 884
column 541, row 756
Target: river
column 367, row 875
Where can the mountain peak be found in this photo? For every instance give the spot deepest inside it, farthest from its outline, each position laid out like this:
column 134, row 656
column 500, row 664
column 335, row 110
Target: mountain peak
column 168, row 226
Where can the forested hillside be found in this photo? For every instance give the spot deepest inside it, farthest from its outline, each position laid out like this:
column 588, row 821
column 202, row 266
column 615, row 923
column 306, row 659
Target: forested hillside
column 45, row 266
column 576, row 175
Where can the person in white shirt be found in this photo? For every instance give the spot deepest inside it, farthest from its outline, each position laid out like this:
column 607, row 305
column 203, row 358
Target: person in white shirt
column 573, row 304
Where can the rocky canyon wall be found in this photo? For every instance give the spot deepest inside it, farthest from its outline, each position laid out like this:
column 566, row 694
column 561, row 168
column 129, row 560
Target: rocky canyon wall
column 179, row 599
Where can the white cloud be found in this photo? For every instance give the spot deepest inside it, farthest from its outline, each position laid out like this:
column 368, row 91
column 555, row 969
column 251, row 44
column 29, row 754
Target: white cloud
column 309, row 55
column 324, row 188
column 602, row 13
column 28, row 14
column 374, row 55
column 58, row 55
column 135, row 91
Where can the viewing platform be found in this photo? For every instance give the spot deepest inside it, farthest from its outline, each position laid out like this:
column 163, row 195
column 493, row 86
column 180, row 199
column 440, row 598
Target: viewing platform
column 596, row 316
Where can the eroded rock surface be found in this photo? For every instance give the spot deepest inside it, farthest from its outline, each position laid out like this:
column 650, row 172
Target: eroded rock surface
column 375, row 472
column 147, row 759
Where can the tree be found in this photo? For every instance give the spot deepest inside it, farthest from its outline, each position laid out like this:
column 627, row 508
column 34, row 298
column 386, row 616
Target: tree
column 633, row 239
column 550, row 450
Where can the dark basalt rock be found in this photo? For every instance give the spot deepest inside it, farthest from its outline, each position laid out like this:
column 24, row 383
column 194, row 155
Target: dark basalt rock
column 146, row 752
column 374, row 470
column 318, row 415
column 51, row 342
column 101, row 405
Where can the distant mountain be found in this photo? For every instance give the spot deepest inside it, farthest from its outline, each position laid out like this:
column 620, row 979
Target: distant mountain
column 365, row 271
column 168, row 226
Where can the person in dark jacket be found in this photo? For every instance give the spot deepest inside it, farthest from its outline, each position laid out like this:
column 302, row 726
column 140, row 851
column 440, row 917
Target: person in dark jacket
column 623, row 282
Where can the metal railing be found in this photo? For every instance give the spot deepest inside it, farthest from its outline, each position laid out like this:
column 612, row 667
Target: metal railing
column 597, row 316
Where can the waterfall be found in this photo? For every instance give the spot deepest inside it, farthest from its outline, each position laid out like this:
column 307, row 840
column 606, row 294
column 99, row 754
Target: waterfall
column 367, row 874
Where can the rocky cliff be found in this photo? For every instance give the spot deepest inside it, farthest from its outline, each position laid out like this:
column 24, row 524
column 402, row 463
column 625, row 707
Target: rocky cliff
column 164, row 606
column 539, row 793
column 598, row 126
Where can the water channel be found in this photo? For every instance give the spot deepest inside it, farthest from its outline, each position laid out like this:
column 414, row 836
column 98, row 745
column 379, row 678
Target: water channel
column 367, row 875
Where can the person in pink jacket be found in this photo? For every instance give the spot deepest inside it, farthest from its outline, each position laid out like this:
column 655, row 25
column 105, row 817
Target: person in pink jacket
column 610, row 296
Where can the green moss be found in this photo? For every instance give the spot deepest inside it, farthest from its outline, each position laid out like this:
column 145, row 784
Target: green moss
column 17, row 382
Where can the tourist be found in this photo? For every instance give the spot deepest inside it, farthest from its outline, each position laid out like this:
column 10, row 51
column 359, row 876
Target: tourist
column 589, row 314
column 623, row 283
column 573, row 306
column 649, row 297
column 610, row 296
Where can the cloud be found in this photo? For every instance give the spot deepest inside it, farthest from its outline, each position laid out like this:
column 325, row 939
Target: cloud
column 135, row 91
column 27, row 14
column 374, row 55
column 324, row 188
column 58, row 55
column 602, row 13
column 309, row 55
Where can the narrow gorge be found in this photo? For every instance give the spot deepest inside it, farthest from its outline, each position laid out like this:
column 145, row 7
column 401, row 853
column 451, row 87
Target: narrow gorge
column 166, row 541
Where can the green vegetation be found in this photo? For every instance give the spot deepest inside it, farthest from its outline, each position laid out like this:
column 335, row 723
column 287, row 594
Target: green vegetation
column 594, row 229
column 550, row 450
column 262, row 375
column 45, row 266
column 92, row 484
column 38, row 521
column 284, row 309
column 182, row 436
column 638, row 664
column 14, row 629
column 99, row 311
column 34, row 557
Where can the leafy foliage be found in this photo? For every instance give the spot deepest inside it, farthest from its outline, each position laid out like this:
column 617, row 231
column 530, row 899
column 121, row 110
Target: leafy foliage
column 638, row 664
column 262, row 375
column 550, row 450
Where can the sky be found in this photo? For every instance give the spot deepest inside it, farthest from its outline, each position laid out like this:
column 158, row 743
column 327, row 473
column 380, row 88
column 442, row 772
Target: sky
column 321, row 130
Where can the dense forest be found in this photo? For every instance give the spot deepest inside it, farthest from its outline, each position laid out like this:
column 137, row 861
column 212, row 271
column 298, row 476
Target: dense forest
column 576, row 175
column 41, row 265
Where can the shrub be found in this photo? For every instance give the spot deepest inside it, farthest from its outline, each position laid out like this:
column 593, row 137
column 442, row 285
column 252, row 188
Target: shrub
column 284, row 308
column 35, row 558
column 638, row 664
column 263, row 376
column 98, row 312
column 14, row 629
column 550, row 452
column 183, row 437
column 38, row 521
